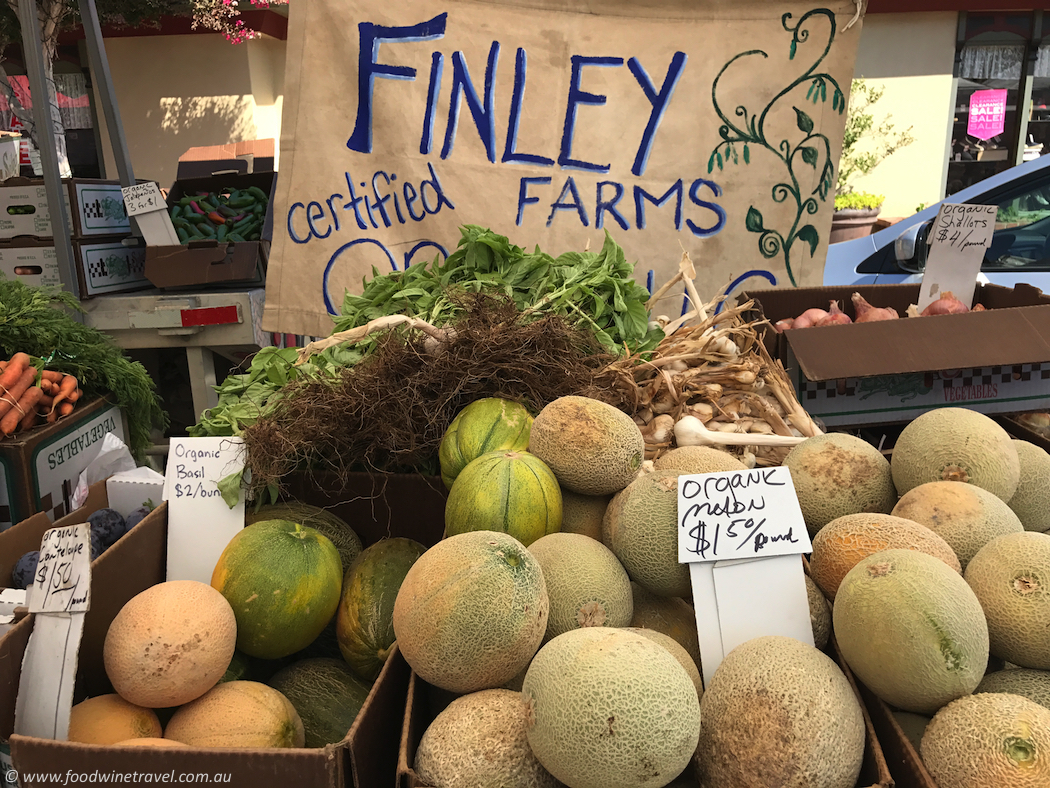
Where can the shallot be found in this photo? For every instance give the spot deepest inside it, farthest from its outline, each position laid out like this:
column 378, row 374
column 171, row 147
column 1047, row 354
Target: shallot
column 978, row 308
column 783, row 325
column 809, row 318
column 866, row 313
column 947, row 304
column 834, row 317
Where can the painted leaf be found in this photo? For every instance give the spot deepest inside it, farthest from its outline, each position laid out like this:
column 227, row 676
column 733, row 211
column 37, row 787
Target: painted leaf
column 810, row 235
column 753, row 222
column 805, row 122
column 747, row 155
column 794, row 48
column 809, row 155
column 711, row 162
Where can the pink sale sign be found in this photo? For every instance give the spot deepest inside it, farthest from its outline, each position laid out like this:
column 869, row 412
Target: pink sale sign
column 987, row 114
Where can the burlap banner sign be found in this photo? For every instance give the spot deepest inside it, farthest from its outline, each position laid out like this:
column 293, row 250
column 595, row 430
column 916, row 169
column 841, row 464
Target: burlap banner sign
column 713, row 126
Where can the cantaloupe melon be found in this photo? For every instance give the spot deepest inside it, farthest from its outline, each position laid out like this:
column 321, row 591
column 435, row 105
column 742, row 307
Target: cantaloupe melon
column 911, row 629
column 838, row 474
column 108, row 719
column 327, row 696
column 471, row 611
column 593, row 448
column 991, row 740
column 912, row 725
column 485, row 425
column 1031, row 499
column 672, row 616
column 238, row 714
column 964, row 515
column 956, row 445
column 1011, row 577
column 170, row 644
column 778, row 712
column 582, row 514
column 1028, row 683
column 845, row 541
column 675, row 650
column 641, row 528
column 698, row 459
column 586, row 585
column 479, row 740
column 150, row 742
column 606, row 708
column 819, row 614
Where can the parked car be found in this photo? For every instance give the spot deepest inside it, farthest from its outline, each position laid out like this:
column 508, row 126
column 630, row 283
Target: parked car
column 1019, row 251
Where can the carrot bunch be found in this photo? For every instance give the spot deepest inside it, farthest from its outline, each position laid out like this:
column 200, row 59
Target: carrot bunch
column 28, row 395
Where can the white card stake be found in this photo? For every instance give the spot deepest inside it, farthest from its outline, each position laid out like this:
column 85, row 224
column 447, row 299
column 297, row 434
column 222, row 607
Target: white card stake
column 144, row 202
column 200, row 522
column 742, row 532
column 958, row 239
column 60, row 596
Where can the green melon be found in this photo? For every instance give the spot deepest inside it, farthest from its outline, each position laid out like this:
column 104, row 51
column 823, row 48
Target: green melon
column 839, row 474
column 240, row 668
column 586, row 585
column 956, row 445
column 471, row 611
column 508, row 491
column 339, row 533
column 483, row 426
column 327, row 696
column 778, row 712
column 991, row 740
column 1028, row 683
column 593, row 448
column 607, row 708
column 641, row 528
column 964, row 515
column 283, row 581
column 479, row 740
column 1011, row 577
column 1031, row 500
column 911, row 629
column 672, row 616
column 364, row 623
column 582, row 514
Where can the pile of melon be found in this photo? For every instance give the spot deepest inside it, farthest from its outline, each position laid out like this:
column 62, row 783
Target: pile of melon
column 280, row 650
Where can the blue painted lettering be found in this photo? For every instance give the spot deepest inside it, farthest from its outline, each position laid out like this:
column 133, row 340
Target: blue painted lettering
column 422, row 245
column 659, row 102
column 484, row 115
column 641, row 194
column 523, row 195
column 410, row 200
column 314, row 211
column 332, row 211
column 291, row 230
column 510, row 150
column 329, row 305
column 437, row 66
column 355, row 201
column 715, row 208
column 576, row 204
column 369, row 67
column 576, row 97
column 439, row 193
column 602, row 206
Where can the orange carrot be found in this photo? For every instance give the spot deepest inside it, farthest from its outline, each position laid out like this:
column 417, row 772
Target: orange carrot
column 26, row 403
column 21, row 358
column 66, row 408
column 65, row 389
column 52, row 375
column 14, row 394
column 45, row 385
column 29, row 420
column 75, row 395
column 11, row 374
column 46, row 401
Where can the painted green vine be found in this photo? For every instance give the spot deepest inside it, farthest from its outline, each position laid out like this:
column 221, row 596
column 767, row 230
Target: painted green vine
column 749, row 130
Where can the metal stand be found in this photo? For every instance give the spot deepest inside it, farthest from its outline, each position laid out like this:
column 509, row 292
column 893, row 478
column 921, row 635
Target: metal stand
column 33, row 51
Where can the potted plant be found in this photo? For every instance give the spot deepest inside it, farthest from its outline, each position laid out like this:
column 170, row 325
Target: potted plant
column 864, row 145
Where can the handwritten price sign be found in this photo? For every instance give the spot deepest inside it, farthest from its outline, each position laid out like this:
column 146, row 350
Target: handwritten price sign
column 62, row 583
column 964, row 226
column 958, row 239
column 739, row 514
column 142, row 198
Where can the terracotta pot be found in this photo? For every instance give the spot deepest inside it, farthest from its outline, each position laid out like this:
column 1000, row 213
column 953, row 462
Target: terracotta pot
column 852, row 223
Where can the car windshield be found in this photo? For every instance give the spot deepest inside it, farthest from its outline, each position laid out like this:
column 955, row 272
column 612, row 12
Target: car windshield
column 1022, row 230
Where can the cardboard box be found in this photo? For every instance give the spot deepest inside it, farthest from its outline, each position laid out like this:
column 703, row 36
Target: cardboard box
column 39, row 469
column 103, row 265
column 995, row 361
column 94, row 207
column 239, row 157
column 211, row 263
column 904, row 761
column 367, row 758
column 127, row 491
column 424, row 702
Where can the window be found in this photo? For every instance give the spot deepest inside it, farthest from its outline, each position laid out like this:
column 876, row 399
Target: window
column 1022, row 230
